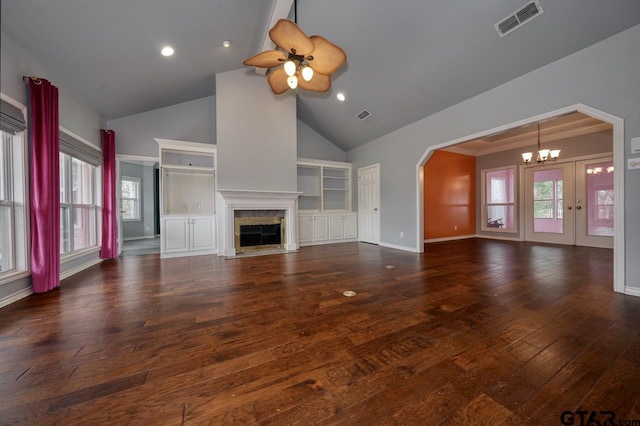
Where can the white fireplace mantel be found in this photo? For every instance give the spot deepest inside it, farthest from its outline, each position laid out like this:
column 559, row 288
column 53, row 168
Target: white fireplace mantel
column 230, row 200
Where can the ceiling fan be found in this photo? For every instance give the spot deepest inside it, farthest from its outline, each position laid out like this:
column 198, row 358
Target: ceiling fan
column 308, row 62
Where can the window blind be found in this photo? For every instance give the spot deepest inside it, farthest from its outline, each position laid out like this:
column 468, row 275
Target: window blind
column 80, row 150
column 11, row 118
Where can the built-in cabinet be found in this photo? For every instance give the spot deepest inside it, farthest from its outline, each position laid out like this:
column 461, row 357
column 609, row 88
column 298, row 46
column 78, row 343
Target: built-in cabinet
column 325, row 203
column 187, row 198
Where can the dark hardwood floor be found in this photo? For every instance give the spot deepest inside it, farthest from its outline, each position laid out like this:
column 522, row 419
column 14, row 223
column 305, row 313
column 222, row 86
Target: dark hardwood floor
column 471, row 332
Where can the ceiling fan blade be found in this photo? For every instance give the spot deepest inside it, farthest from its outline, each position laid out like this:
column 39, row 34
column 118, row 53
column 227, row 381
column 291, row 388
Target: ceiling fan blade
column 319, row 82
column 327, row 57
column 278, row 81
column 288, row 36
column 266, row 59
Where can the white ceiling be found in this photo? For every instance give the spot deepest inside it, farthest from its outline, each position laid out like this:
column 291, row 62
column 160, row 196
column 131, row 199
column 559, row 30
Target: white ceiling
column 407, row 59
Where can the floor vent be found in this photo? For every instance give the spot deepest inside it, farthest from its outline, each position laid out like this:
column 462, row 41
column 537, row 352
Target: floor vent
column 364, row 114
column 518, row 18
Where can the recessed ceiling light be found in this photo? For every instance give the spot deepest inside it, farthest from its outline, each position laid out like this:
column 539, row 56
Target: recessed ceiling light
column 341, row 97
column 167, row 51
column 226, row 43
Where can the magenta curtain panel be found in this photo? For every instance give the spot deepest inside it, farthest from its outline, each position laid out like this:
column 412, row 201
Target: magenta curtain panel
column 109, row 248
column 44, row 185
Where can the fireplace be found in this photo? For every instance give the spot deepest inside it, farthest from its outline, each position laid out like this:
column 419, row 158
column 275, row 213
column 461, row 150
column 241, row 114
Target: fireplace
column 257, row 208
column 259, row 230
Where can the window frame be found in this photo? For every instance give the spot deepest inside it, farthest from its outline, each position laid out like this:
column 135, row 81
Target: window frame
column 137, row 201
column 17, row 201
column 485, row 204
column 67, row 202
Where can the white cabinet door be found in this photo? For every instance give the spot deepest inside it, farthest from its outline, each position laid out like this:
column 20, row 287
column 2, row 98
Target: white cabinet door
column 305, row 228
column 320, row 227
column 350, row 226
column 336, row 227
column 175, row 236
column 202, row 233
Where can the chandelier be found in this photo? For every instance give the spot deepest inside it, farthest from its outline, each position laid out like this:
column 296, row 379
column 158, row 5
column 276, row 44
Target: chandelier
column 543, row 154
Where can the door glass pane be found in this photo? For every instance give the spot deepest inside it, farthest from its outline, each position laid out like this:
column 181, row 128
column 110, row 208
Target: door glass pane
column 547, row 201
column 600, row 198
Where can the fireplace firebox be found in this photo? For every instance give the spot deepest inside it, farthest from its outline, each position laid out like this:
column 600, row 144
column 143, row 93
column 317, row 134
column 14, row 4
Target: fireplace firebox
column 259, row 233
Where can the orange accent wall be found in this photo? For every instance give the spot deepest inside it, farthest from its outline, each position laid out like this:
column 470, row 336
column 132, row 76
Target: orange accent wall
column 449, row 195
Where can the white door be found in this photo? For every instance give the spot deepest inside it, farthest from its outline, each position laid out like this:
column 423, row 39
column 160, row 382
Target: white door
column 594, row 203
column 320, row 227
column 202, row 233
column 305, row 228
column 336, row 227
column 549, row 207
column 175, row 235
column 369, row 204
column 350, row 226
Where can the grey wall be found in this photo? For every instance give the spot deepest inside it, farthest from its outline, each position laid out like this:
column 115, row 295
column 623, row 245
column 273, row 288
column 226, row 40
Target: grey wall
column 256, row 134
column 189, row 121
column 594, row 143
column 75, row 116
column 603, row 76
column 312, row 144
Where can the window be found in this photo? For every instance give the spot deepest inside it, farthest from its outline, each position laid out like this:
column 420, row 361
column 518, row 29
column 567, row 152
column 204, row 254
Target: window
column 78, row 209
column 547, row 199
column 13, row 213
column 130, row 199
column 498, row 195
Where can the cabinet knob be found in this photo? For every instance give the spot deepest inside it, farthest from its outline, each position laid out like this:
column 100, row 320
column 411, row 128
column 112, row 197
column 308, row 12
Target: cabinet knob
column 375, row 209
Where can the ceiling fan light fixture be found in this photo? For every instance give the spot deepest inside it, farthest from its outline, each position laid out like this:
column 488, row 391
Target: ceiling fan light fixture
column 290, row 68
column 292, row 81
column 307, row 73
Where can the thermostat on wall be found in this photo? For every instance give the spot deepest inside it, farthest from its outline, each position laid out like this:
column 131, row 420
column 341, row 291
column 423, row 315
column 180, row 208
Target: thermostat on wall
column 635, row 145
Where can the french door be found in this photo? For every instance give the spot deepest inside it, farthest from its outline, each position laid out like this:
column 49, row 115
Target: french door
column 570, row 203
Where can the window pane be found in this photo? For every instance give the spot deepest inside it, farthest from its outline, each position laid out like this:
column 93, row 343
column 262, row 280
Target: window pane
column 64, row 178
column 82, row 182
column 5, row 167
column 6, row 238
column 83, row 227
column 130, row 209
column 543, row 209
column 543, row 190
column 500, row 186
column 65, row 230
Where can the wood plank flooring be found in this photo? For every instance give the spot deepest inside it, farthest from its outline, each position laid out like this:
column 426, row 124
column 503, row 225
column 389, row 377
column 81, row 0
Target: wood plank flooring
column 471, row 332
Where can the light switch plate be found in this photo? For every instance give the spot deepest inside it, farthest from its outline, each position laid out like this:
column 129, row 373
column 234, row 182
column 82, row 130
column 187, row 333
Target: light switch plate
column 635, row 145
column 633, row 163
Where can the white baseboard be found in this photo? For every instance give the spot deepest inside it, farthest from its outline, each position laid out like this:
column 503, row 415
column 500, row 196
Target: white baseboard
column 398, row 247
column 495, row 237
column 632, row 291
column 146, row 237
column 79, row 268
column 190, row 253
column 458, row 237
column 21, row 294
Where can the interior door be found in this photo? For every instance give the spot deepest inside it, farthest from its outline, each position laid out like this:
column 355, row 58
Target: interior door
column 549, row 204
column 369, row 204
column 594, row 203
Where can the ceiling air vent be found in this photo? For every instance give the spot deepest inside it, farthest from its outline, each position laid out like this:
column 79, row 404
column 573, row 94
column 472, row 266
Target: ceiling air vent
column 519, row 17
column 364, row 114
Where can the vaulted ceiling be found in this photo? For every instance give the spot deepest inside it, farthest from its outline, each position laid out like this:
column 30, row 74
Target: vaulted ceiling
column 407, row 59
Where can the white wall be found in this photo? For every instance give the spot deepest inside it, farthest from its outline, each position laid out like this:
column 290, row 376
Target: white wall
column 256, row 134
column 312, row 144
column 603, row 76
column 188, row 121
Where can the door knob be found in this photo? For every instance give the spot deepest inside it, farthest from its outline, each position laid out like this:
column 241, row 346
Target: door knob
column 578, row 207
column 375, row 209
column 569, row 208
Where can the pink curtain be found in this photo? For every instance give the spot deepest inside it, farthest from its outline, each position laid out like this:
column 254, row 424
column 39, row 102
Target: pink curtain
column 109, row 208
column 45, row 185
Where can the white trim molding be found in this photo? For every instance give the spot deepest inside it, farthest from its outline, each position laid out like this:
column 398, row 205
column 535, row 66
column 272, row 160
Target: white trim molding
column 80, row 268
column 231, row 200
column 398, row 247
column 20, row 294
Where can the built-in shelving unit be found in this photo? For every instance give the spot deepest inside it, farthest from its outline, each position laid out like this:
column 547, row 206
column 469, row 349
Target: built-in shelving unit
column 187, row 198
column 325, row 204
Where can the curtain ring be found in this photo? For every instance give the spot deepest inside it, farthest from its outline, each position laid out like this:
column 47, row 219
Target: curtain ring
column 36, row 80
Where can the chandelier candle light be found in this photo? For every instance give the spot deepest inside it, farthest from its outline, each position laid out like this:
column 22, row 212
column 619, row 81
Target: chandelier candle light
column 543, row 154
